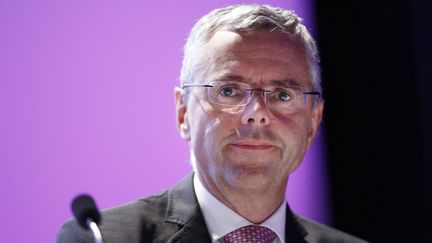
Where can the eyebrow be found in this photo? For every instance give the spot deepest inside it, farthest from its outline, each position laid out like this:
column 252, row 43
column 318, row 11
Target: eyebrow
column 230, row 77
column 285, row 83
column 275, row 82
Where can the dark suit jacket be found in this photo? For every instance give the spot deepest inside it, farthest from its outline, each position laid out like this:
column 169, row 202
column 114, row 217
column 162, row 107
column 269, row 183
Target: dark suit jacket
column 175, row 216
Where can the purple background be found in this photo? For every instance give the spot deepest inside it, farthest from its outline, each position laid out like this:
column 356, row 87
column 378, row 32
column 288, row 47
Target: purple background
column 86, row 105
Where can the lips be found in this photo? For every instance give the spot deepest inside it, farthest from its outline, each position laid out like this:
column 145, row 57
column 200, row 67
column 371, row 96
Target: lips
column 253, row 145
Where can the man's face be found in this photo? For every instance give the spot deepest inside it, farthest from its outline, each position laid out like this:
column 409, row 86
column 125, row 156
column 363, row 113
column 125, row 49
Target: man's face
column 252, row 149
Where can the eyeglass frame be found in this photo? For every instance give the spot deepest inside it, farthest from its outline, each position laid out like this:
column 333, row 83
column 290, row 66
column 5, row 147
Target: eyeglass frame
column 209, row 85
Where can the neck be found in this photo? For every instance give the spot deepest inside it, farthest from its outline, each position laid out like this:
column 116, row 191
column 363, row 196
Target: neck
column 252, row 204
column 256, row 208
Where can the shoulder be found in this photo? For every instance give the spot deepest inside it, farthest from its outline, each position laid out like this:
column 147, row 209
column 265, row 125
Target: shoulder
column 154, row 219
column 132, row 222
column 317, row 232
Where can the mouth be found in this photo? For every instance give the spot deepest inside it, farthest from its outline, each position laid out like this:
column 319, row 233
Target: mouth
column 252, row 145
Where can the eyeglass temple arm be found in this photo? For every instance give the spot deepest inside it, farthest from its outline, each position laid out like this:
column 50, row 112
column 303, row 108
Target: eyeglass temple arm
column 312, row 93
column 196, row 85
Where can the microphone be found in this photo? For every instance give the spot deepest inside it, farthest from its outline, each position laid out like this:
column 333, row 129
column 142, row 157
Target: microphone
column 86, row 213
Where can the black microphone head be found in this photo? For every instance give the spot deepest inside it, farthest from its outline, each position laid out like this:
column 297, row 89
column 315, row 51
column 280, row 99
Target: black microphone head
column 83, row 207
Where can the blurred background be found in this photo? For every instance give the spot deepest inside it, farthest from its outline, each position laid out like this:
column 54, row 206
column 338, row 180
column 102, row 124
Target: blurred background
column 86, row 106
column 376, row 61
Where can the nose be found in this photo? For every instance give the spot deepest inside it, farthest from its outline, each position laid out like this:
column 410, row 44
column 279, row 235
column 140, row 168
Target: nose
column 256, row 112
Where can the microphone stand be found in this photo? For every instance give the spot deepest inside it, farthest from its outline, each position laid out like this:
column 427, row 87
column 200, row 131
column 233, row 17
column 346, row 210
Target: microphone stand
column 95, row 230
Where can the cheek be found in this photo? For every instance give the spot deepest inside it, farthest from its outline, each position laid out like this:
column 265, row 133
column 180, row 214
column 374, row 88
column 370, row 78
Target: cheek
column 218, row 129
column 209, row 132
column 295, row 124
column 294, row 132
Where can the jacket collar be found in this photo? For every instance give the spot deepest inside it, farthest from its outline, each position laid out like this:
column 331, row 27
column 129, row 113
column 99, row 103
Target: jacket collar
column 183, row 209
column 294, row 230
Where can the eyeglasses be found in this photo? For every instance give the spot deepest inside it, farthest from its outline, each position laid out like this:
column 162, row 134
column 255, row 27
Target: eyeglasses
column 283, row 99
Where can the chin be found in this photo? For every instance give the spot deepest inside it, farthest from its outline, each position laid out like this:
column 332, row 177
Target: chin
column 252, row 178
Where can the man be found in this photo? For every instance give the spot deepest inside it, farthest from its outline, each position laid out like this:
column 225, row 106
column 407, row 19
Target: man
column 250, row 107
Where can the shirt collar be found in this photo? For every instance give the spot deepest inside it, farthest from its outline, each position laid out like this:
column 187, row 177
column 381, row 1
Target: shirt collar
column 221, row 220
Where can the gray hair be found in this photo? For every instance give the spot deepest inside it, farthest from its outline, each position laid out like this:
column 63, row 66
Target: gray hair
column 247, row 18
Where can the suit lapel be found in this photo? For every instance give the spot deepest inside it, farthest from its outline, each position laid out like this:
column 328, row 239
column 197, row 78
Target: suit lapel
column 294, row 231
column 193, row 231
column 183, row 209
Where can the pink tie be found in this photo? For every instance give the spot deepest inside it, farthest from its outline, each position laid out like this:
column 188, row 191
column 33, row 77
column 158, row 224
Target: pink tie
column 250, row 234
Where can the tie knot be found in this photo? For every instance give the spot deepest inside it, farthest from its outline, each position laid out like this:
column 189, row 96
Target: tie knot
column 250, row 234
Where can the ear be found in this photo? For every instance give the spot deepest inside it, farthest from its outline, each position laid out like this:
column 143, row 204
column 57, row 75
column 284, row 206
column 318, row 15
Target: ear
column 317, row 113
column 181, row 114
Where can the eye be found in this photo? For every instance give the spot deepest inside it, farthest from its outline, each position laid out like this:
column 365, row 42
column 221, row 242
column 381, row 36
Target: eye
column 228, row 91
column 282, row 95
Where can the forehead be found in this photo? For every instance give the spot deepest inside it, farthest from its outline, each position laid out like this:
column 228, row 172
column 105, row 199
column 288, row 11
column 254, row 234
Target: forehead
column 259, row 39
column 256, row 57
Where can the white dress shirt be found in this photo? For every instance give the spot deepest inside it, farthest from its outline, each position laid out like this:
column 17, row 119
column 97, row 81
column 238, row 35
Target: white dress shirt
column 221, row 220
